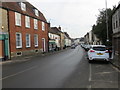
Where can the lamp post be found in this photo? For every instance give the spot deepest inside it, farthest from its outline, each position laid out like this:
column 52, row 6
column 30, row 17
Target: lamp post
column 107, row 22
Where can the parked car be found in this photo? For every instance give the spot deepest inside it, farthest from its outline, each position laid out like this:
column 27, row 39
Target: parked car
column 73, row 46
column 98, row 52
column 86, row 47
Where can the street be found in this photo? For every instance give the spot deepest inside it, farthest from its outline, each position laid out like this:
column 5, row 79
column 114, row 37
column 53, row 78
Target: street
column 65, row 69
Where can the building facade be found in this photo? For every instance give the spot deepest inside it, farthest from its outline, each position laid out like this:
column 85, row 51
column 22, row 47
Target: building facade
column 116, row 32
column 68, row 41
column 27, row 28
column 4, row 35
column 54, row 39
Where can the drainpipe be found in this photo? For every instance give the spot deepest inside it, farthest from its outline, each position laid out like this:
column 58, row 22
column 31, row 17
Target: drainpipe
column 9, row 45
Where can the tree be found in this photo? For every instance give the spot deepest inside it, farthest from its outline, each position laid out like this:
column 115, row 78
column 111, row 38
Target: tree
column 100, row 29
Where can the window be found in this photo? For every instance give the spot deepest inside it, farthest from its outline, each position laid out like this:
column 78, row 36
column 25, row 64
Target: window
column 99, row 48
column 27, row 21
column 28, row 40
column 43, row 26
column 18, row 40
column 23, row 6
column 35, row 24
column 36, row 40
column 17, row 19
column 36, row 12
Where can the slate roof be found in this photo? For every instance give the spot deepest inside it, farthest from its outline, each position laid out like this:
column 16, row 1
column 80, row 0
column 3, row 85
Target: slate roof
column 15, row 6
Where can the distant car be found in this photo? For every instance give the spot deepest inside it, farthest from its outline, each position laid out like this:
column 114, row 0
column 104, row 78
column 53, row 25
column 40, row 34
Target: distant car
column 73, row 47
column 98, row 52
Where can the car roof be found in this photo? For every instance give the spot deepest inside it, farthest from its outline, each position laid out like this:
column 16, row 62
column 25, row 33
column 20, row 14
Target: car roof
column 98, row 46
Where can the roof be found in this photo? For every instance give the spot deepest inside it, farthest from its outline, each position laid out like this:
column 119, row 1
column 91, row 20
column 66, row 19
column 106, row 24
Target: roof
column 55, row 30
column 116, row 8
column 15, row 6
column 67, row 35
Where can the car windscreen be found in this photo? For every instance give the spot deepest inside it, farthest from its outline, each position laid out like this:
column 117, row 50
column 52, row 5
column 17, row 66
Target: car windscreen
column 99, row 48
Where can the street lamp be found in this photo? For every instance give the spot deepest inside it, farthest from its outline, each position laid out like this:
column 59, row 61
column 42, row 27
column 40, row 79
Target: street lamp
column 107, row 22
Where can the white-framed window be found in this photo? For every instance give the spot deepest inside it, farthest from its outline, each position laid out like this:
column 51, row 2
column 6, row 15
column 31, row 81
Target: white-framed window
column 27, row 21
column 23, row 6
column 43, row 26
column 18, row 40
column 36, row 12
column 36, row 40
column 28, row 43
column 35, row 24
column 17, row 19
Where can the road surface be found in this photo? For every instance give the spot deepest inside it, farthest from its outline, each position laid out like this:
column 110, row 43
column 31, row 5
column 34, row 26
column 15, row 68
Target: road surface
column 64, row 69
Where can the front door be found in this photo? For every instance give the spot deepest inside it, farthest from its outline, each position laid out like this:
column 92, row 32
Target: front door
column 4, row 46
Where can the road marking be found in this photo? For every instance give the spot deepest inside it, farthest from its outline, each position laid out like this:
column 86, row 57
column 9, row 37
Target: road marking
column 17, row 73
column 106, row 72
column 90, row 74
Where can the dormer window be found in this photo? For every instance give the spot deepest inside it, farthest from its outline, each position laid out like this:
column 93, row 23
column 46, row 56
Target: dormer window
column 36, row 12
column 23, row 6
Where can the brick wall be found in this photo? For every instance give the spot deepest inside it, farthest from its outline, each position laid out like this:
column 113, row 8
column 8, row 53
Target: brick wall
column 23, row 30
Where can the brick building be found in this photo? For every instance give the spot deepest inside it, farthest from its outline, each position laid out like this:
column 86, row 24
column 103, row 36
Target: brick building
column 27, row 29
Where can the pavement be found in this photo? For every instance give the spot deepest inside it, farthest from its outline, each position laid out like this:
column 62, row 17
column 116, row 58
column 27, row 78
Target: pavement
column 28, row 57
column 115, row 62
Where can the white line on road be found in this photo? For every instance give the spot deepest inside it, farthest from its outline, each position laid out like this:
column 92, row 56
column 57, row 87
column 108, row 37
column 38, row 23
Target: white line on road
column 17, row 73
column 90, row 74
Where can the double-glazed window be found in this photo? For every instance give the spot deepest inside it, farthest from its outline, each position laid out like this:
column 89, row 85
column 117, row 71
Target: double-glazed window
column 27, row 21
column 17, row 19
column 18, row 40
column 36, row 40
column 35, row 24
column 28, row 40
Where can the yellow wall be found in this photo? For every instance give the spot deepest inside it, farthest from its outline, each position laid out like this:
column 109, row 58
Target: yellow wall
column 3, row 20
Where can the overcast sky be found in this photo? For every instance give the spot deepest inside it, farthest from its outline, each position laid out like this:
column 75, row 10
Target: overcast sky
column 74, row 16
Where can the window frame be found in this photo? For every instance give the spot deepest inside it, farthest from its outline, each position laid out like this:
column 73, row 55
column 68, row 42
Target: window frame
column 17, row 19
column 20, row 41
column 27, row 21
column 43, row 26
column 23, row 6
column 35, row 24
column 36, row 12
column 28, row 43
column 36, row 40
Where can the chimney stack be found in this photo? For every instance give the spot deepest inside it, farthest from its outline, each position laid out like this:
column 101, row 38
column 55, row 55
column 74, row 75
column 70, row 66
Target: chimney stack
column 59, row 28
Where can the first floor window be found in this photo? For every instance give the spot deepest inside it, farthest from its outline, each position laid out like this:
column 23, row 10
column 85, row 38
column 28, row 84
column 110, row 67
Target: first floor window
column 18, row 40
column 27, row 21
column 43, row 26
column 27, row 40
column 35, row 24
column 36, row 40
column 17, row 19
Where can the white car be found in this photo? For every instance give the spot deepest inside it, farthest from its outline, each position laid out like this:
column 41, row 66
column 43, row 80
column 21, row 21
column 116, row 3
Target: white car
column 98, row 52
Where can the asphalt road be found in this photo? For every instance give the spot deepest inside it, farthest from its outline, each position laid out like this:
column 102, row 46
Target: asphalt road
column 64, row 69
